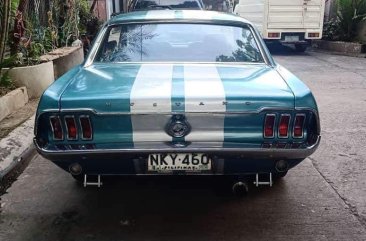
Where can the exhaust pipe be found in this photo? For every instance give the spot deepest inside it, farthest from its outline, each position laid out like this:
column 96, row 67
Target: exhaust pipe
column 75, row 169
column 240, row 189
column 281, row 166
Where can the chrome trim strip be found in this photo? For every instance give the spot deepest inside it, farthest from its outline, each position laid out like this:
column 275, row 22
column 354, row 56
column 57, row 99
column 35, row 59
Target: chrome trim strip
column 259, row 43
column 303, row 125
column 288, row 127
column 228, row 64
column 53, row 131
column 81, row 127
column 177, row 113
column 67, row 129
column 274, row 126
column 248, row 152
column 93, row 52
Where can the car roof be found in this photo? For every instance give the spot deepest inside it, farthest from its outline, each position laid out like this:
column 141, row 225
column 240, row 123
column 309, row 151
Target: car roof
column 178, row 15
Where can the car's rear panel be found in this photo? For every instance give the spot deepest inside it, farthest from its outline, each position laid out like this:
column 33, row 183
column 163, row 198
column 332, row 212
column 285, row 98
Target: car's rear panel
column 138, row 101
column 130, row 106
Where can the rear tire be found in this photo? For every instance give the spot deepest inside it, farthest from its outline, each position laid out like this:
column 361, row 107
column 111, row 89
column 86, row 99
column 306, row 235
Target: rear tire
column 78, row 178
column 280, row 174
column 300, row 48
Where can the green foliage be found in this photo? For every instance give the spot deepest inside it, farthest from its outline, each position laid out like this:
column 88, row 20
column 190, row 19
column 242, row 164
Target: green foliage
column 70, row 27
column 14, row 7
column 8, row 62
column 89, row 24
column 48, row 25
column 5, row 80
column 36, row 50
column 331, row 30
column 350, row 14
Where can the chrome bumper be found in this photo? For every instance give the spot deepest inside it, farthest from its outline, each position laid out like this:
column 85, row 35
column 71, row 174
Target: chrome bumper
column 245, row 153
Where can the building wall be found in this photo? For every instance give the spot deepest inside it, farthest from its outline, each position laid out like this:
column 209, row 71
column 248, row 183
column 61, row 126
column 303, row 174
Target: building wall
column 330, row 9
column 362, row 32
column 105, row 8
column 100, row 9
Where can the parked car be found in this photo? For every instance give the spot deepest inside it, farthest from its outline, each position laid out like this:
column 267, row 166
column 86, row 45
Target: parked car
column 294, row 22
column 178, row 92
column 139, row 5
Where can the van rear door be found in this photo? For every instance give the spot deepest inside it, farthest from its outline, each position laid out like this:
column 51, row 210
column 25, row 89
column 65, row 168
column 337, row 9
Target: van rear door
column 313, row 10
column 285, row 14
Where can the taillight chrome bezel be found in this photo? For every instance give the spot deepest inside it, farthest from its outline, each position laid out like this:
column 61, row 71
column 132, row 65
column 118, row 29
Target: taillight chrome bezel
column 67, row 128
column 53, row 130
column 288, row 126
column 302, row 127
column 274, row 126
column 82, row 130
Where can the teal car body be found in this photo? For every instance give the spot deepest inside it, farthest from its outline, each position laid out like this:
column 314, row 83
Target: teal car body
column 110, row 117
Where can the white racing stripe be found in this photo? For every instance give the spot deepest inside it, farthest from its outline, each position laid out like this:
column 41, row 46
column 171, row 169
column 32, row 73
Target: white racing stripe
column 204, row 92
column 151, row 95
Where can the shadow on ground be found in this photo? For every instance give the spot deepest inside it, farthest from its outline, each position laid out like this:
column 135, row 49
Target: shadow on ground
column 284, row 50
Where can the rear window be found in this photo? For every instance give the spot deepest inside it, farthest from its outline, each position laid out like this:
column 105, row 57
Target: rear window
column 174, row 4
column 178, row 42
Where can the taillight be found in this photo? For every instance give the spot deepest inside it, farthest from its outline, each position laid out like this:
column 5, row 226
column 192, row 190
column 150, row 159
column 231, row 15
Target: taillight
column 56, row 128
column 72, row 131
column 269, row 125
column 314, row 35
column 274, row 35
column 86, row 128
column 299, row 126
column 283, row 126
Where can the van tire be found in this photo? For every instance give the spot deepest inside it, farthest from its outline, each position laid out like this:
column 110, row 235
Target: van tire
column 300, row 48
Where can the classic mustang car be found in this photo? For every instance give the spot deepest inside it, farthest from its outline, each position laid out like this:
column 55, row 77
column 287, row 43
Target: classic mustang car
column 177, row 92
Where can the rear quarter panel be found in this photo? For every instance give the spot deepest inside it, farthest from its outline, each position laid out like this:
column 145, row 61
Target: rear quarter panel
column 303, row 96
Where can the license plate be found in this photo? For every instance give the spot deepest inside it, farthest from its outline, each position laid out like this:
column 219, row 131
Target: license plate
column 189, row 162
column 292, row 38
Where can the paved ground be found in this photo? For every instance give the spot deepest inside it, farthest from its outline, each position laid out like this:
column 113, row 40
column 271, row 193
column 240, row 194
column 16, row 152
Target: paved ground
column 339, row 84
column 15, row 119
column 322, row 199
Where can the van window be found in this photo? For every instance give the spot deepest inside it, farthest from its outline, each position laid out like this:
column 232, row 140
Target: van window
column 174, row 4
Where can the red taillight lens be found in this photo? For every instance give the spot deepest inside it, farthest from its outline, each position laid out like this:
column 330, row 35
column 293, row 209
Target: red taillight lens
column 86, row 128
column 283, row 126
column 56, row 128
column 72, row 132
column 273, row 35
column 299, row 126
column 269, row 126
column 313, row 35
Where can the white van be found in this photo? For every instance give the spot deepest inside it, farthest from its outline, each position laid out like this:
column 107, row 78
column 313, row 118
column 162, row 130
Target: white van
column 287, row 21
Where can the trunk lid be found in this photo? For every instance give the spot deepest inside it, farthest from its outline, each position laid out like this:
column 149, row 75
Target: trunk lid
column 164, row 88
column 136, row 103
